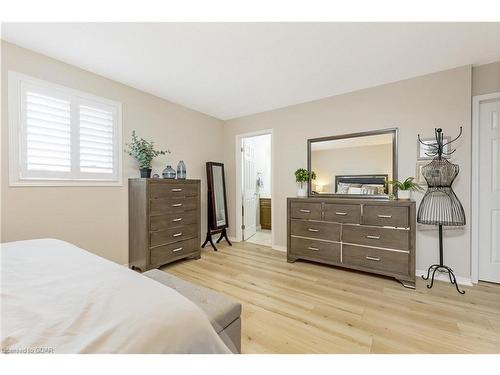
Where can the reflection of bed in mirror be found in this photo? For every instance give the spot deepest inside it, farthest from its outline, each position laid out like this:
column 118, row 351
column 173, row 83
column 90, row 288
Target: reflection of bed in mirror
column 362, row 184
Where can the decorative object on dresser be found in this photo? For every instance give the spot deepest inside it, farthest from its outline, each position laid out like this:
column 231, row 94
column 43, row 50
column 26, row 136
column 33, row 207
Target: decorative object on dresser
column 406, row 187
column 440, row 205
column 168, row 173
column 265, row 213
column 164, row 221
column 217, row 221
column 369, row 235
column 181, row 170
column 144, row 153
column 303, row 177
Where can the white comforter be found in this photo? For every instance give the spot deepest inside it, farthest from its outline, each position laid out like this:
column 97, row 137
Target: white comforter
column 56, row 296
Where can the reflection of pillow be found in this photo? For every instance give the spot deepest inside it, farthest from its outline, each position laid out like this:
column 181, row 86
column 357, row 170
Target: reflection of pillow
column 354, row 190
column 374, row 189
column 370, row 190
column 343, row 187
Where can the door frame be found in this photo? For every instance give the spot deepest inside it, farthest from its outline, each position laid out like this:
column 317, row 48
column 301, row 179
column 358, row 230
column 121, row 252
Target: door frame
column 238, row 181
column 476, row 102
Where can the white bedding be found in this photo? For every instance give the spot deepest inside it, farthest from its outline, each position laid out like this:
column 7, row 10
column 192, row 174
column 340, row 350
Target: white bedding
column 56, row 296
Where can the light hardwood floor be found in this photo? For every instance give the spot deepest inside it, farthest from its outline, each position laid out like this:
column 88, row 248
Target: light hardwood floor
column 311, row 308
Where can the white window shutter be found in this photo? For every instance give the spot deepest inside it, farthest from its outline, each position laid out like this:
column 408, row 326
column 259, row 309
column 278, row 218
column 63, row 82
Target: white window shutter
column 48, row 132
column 97, row 135
column 61, row 136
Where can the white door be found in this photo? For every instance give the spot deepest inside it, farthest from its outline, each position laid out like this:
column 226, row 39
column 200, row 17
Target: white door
column 489, row 191
column 249, row 190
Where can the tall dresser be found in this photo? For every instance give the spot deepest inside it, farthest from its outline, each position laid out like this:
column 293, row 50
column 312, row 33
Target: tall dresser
column 367, row 235
column 164, row 221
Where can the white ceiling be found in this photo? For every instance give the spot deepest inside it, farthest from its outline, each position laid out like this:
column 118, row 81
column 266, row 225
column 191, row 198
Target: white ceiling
column 230, row 70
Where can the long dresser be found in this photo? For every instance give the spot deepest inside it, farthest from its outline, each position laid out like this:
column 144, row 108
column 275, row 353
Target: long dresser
column 366, row 235
column 164, row 221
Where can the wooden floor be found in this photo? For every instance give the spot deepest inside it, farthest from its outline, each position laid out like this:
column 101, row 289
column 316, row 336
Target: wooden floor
column 311, row 308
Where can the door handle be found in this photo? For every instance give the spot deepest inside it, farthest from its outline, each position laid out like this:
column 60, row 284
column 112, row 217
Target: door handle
column 177, row 205
column 313, row 230
column 176, row 250
column 177, row 234
column 305, row 211
column 313, row 248
column 373, row 237
column 373, row 258
column 341, row 213
column 384, row 216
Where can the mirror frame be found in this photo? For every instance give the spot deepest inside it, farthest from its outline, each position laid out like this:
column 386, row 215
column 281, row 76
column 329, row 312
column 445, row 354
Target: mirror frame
column 211, row 192
column 393, row 131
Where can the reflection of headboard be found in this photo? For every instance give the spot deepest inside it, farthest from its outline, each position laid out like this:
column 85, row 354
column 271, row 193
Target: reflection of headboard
column 364, row 179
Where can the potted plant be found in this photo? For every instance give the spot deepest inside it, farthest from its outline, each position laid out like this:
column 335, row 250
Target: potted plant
column 302, row 176
column 406, row 187
column 144, row 153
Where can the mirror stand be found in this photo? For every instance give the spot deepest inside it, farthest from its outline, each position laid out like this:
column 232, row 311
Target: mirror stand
column 217, row 221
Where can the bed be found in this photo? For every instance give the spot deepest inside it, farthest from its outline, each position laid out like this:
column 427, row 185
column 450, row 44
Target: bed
column 59, row 298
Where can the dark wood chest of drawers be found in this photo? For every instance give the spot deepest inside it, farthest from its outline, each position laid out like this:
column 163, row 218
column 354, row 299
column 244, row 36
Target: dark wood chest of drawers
column 366, row 235
column 164, row 221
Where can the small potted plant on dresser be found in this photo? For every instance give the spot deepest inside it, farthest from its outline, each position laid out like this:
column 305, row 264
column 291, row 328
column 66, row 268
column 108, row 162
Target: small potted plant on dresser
column 302, row 176
column 144, row 153
column 405, row 188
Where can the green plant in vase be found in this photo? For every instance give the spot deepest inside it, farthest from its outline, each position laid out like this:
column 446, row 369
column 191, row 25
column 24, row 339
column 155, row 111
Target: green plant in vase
column 405, row 188
column 302, row 176
column 143, row 152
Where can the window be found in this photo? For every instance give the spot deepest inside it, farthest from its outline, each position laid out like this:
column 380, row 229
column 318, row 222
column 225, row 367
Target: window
column 60, row 136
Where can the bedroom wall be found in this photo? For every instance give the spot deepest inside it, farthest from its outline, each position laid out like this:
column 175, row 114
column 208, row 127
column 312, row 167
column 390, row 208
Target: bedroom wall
column 486, row 79
column 96, row 218
column 375, row 159
column 415, row 106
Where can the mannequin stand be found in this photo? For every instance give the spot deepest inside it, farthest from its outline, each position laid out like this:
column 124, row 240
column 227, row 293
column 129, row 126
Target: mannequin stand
column 441, row 266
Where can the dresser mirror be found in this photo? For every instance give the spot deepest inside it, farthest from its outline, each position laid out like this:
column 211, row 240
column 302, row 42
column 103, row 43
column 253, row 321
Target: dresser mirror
column 357, row 165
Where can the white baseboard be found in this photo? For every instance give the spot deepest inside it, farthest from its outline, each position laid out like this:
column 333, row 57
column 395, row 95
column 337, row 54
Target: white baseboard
column 444, row 277
column 234, row 239
column 278, row 247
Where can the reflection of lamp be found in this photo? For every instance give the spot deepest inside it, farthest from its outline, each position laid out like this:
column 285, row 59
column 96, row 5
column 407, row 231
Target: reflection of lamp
column 319, row 188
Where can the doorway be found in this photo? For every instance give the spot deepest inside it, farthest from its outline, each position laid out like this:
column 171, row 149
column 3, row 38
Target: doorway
column 486, row 188
column 255, row 187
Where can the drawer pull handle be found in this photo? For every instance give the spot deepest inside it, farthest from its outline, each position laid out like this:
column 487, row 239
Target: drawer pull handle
column 177, row 234
column 176, row 250
column 178, row 219
column 313, row 230
column 177, row 205
column 373, row 258
column 176, row 190
column 341, row 213
column 313, row 248
column 384, row 216
column 305, row 211
column 373, row 237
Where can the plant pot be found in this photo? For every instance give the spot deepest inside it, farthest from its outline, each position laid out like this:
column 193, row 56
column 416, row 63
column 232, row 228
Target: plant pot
column 404, row 194
column 301, row 190
column 145, row 172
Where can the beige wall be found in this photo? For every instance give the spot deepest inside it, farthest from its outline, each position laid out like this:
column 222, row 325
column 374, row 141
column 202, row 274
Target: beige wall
column 486, row 79
column 414, row 106
column 96, row 218
column 373, row 159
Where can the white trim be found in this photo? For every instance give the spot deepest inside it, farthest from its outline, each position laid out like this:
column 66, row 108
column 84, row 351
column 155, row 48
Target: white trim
column 15, row 86
column 474, row 261
column 442, row 276
column 279, row 248
column 238, row 161
column 234, row 239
